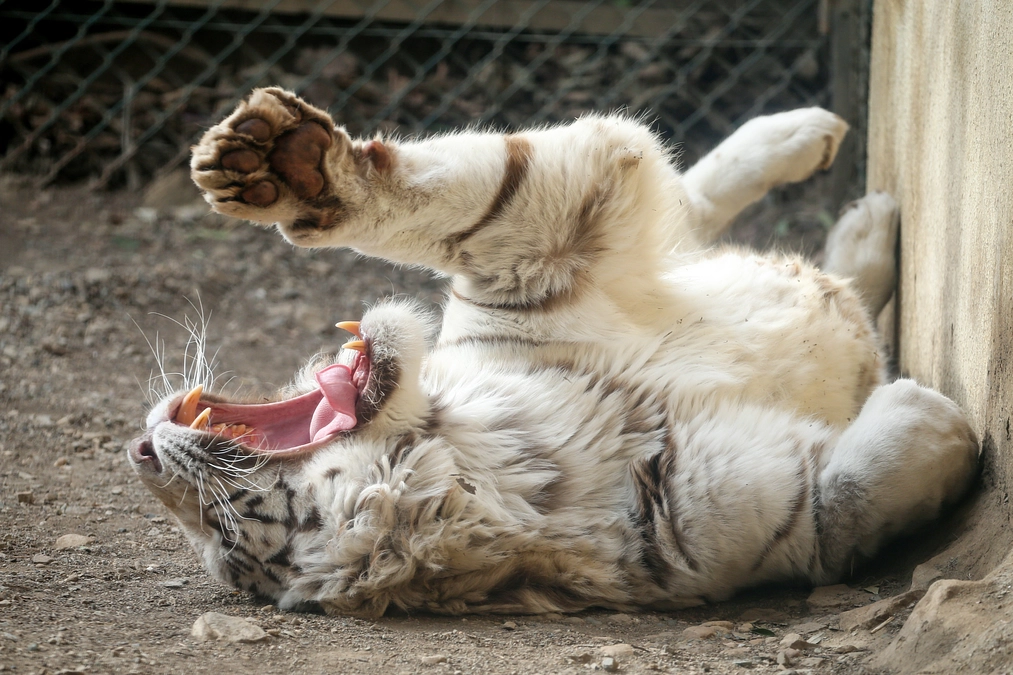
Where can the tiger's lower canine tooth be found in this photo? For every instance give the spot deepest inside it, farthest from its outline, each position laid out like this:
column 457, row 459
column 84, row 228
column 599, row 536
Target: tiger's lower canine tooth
column 201, row 421
column 188, row 408
column 357, row 345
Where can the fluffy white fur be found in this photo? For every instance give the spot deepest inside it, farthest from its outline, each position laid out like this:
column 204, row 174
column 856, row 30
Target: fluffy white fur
column 612, row 414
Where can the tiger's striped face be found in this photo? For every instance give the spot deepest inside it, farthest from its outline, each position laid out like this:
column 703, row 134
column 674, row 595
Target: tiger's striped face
column 235, row 475
column 260, row 488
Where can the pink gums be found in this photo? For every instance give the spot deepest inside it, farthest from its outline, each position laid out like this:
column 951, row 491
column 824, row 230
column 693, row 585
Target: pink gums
column 303, row 423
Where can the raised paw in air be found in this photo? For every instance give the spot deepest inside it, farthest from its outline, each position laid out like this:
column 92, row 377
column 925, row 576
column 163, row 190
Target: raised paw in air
column 277, row 159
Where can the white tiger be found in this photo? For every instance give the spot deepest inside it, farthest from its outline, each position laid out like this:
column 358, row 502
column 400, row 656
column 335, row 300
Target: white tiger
column 610, row 415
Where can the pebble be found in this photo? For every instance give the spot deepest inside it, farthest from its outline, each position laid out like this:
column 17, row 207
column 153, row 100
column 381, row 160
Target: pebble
column 508, row 625
column 700, row 632
column 609, row 664
column 96, row 275
column 67, row 541
column 617, row 650
column 215, row 626
column 146, row 215
column 845, row 649
column 755, row 614
column 719, row 624
column 836, row 596
column 808, row 627
column 744, row 663
column 433, row 660
column 620, row 618
column 795, row 641
column 176, row 583
column 26, row 498
column 41, row 559
column 787, row 657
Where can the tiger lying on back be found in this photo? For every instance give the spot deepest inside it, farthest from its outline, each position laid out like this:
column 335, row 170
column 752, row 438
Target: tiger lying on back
column 610, row 415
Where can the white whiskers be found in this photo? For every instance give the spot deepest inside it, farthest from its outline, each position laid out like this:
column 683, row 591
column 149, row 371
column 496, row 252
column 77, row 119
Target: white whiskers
column 198, row 365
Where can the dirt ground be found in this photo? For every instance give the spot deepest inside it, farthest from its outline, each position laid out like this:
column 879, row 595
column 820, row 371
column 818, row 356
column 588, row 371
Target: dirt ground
column 87, row 281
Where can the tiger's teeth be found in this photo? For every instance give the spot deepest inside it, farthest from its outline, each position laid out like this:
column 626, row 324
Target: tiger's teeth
column 357, row 345
column 201, row 421
column 350, row 326
column 238, row 430
column 188, row 408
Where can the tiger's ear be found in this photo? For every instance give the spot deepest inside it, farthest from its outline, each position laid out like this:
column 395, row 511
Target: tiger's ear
column 377, row 154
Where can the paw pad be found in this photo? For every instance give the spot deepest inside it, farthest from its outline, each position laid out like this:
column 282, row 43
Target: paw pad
column 244, row 161
column 296, row 157
column 258, row 129
column 261, row 194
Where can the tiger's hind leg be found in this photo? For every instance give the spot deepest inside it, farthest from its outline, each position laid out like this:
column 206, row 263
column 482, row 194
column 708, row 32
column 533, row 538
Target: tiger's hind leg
column 763, row 153
column 909, row 453
column 861, row 247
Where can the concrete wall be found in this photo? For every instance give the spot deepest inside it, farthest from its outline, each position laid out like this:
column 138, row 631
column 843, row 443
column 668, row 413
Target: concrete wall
column 941, row 141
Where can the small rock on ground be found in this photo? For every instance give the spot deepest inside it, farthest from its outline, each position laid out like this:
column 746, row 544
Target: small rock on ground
column 72, row 541
column 215, row 626
column 795, row 641
column 617, row 650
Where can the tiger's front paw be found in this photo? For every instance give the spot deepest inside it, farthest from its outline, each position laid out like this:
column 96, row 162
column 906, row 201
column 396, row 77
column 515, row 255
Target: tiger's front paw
column 277, row 159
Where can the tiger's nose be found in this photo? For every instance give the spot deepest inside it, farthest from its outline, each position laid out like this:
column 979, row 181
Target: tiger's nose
column 142, row 452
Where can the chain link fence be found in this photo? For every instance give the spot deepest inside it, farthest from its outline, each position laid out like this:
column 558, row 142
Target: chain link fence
column 116, row 92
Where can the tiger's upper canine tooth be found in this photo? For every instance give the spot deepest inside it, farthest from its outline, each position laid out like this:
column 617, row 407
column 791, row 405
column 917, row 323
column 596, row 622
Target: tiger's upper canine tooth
column 357, row 345
column 350, row 326
column 201, row 421
column 188, row 408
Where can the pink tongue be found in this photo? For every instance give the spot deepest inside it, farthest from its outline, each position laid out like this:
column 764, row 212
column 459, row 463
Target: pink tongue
column 336, row 410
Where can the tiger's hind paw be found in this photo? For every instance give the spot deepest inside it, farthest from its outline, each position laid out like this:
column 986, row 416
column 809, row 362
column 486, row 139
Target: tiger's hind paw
column 861, row 247
column 275, row 159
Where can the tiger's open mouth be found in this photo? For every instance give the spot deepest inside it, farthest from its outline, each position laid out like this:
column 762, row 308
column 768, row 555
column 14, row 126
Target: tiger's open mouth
column 283, row 428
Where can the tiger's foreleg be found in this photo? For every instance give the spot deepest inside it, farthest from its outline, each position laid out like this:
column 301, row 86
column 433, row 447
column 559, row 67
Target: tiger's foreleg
column 518, row 218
